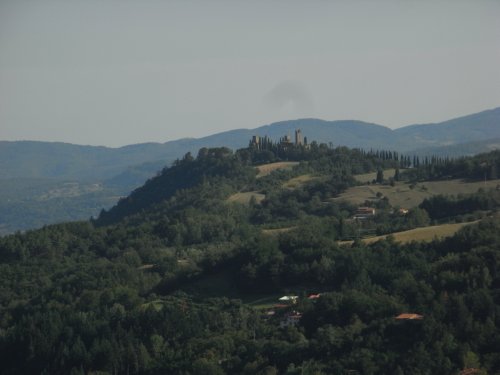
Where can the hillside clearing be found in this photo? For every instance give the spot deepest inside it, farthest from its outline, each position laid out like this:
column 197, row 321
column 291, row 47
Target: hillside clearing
column 271, row 232
column 265, row 169
column 299, row 181
column 425, row 234
column 369, row 177
column 244, row 198
column 402, row 195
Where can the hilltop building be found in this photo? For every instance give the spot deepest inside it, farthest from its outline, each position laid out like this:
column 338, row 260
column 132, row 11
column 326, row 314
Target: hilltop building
column 265, row 143
column 299, row 139
column 286, row 140
column 261, row 143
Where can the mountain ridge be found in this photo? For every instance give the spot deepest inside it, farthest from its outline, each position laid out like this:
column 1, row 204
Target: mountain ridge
column 67, row 160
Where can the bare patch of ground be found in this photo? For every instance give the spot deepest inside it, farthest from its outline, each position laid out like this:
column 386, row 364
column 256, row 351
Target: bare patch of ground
column 244, row 198
column 299, row 181
column 425, row 234
column 266, row 169
column 146, row 267
column 271, row 232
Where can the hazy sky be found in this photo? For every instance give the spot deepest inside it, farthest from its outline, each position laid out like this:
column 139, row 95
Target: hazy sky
column 119, row 72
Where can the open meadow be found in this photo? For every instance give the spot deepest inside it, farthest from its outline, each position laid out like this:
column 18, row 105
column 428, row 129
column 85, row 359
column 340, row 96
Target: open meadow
column 299, row 181
column 265, row 169
column 424, row 234
column 406, row 195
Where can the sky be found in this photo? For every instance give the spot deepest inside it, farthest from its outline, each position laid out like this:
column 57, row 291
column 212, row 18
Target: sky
column 117, row 72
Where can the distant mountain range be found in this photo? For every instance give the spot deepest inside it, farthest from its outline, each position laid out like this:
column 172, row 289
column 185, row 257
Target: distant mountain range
column 30, row 159
column 47, row 182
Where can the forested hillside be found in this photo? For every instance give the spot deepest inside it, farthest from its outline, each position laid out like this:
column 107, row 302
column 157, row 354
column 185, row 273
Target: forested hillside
column 47, row 167
column 178, row 278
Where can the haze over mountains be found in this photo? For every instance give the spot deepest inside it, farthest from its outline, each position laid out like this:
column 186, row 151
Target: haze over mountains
column 31, row 159
column 74, row 182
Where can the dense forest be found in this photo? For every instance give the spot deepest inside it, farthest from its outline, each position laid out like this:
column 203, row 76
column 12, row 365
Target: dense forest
column 162, row 283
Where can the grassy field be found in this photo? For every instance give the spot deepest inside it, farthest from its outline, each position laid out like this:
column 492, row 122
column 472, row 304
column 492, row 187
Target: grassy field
column 271, row 232
column 425, row 234
column 266, row 169
column 298, row 181
column 369, row 177
column 262, row 301
column 402, row 195
column 244, row 198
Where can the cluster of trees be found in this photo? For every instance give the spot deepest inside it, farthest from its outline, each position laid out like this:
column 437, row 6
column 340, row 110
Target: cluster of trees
column 109, row 296
column 212, row 166
column 86, row 312
column 442, row 206
column 479, row 167
column 315, row 151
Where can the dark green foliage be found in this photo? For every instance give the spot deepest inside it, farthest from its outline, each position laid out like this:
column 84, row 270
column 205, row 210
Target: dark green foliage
column 87, row 297
column 380, row 176
column 90, row 312
column 212, row 166
column 441, row 206
column 479, row 167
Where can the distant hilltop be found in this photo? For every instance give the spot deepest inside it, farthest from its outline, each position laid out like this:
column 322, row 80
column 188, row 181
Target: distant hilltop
column 461, row 136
